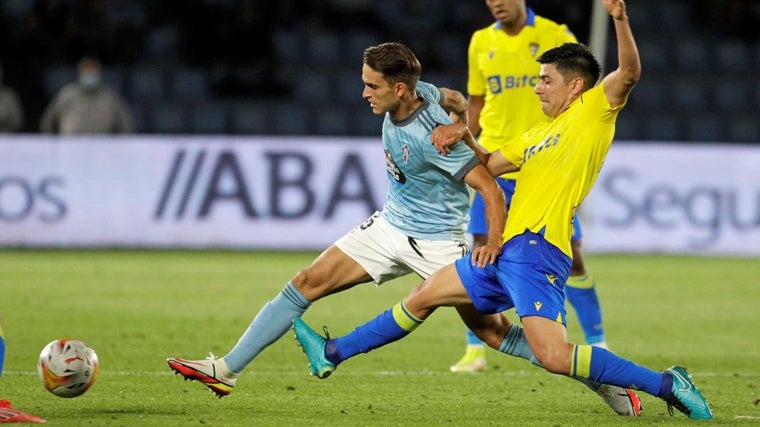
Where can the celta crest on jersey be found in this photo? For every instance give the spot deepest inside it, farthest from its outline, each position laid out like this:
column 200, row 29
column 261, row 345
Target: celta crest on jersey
column 405, row 149
column 393, row 168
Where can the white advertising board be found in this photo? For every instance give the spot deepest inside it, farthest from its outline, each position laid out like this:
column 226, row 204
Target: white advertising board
column 187, row 192
column 303, row 193
column 682, row 198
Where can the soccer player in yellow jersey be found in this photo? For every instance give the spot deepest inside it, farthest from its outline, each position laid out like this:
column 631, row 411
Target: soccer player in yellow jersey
column 502, row 74
column 559, row 162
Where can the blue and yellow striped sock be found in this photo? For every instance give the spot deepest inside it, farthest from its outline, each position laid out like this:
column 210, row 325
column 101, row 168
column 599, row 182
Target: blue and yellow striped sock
column 603, row 366
column 389, row 326
column 516, row 345
column 581, row 294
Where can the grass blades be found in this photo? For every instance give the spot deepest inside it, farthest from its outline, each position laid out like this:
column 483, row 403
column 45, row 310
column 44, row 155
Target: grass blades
column 135, row 308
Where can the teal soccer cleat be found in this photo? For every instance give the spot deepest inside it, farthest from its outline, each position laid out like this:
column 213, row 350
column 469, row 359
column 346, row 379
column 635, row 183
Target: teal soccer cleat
column 313, row 345
column 685, row 396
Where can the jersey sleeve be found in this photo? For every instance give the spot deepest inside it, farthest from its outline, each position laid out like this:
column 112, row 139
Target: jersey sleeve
column 430, row 92
column 599, row 105
column 513, row 150
column 458, row 163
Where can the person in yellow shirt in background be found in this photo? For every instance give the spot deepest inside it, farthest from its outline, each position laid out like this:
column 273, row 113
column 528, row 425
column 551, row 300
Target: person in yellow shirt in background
column 502, row 72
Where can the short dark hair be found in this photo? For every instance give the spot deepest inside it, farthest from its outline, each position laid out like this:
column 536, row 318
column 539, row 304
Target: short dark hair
column 395, row 61
column 574, row 60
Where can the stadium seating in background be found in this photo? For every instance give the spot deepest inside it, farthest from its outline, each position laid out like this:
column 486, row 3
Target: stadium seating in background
column 705, row 127
column 250, row 118
column 662, row 127
column 311, row 87
column 331, row 120
column 627, row 126
column 692, row 55
column 732, row 96
column 58, row 76
column 745, row 128
column 169, row 118
column 208, row 118
column 694, row 85
column 146, row 84
column 188, row 84
column 731, row 56
column 292, row 118
column 287, row 46
column 690, row 96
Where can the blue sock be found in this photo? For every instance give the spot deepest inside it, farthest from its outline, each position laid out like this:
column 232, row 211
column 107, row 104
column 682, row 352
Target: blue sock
column 389, row 326
column 272, row 322
column 581, row 294
column 603, row 366
column 472, row 339
column 2, row 350
column 667, row 386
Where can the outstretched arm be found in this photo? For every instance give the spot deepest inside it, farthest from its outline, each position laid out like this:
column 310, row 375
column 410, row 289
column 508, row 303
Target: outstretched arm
column 619, row 83
column 445, row 136
column 483, row 182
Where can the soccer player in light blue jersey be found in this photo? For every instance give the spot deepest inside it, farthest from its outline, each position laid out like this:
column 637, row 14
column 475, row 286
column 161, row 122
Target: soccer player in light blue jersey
column 421, row 228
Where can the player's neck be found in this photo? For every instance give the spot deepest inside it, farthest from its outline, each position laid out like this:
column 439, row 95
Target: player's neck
column 514, row 28
column 406, row 108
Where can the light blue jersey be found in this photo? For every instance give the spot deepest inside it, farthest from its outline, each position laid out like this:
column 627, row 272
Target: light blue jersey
column 427, row 196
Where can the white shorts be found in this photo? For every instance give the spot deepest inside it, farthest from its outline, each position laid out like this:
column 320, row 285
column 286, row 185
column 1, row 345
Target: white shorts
column 386, row 253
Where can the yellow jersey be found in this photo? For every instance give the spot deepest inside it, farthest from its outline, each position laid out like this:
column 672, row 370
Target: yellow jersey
column 503, row 69
column 560, row 161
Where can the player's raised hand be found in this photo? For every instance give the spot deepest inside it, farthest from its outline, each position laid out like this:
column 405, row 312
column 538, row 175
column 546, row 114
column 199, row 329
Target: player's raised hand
column 616, row 9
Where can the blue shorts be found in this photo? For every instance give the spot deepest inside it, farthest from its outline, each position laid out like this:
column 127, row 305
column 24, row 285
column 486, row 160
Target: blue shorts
column 528, row 276
column 478, row 224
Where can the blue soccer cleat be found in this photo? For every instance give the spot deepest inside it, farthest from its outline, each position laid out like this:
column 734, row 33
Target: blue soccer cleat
column 685, row 396
column 313, row 345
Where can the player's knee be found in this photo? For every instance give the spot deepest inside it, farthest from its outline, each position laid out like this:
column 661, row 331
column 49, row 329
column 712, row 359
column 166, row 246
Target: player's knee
column 308, row 283
column 553, row 359
column 492, row 330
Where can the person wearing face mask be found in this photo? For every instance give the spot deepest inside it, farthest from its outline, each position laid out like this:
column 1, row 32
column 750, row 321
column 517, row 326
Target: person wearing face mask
column 87, row 106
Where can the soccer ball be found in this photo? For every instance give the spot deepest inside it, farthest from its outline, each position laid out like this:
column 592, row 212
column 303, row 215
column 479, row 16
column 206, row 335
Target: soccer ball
column 67, row 367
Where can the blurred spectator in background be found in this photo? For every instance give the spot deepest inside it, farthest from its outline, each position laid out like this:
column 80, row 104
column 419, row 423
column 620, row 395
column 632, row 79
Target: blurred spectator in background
column 11, row 112
column 87, row 106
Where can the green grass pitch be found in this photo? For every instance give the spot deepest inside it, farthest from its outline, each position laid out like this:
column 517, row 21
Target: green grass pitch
column 135, row 308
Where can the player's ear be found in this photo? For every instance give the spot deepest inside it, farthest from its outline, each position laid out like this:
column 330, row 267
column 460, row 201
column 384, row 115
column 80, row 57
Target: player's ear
column 577, row 86
column 400, row 89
